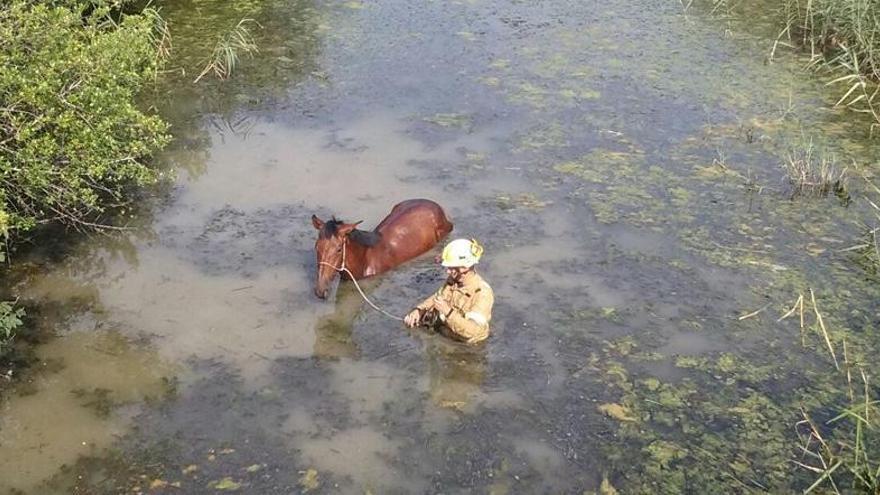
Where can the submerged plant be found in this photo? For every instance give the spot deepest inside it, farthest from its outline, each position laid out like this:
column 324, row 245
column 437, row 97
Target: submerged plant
column 227, row 51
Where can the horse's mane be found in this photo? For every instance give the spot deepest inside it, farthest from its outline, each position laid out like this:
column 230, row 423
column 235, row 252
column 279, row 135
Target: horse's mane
column 330, row 227
column 362, row 237
column 365, row 238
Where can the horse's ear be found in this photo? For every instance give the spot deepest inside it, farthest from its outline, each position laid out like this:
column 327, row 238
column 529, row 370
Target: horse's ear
column 317, row 222
column 346, row 228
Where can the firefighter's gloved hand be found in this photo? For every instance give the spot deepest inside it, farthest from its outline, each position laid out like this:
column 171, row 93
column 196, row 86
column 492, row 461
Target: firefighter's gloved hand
column 413, row 318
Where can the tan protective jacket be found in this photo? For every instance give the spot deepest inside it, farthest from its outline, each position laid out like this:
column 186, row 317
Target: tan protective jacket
column 471, row 308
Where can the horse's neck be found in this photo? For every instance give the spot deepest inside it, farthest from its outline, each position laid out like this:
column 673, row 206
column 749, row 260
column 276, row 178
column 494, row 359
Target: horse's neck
column 356, row 259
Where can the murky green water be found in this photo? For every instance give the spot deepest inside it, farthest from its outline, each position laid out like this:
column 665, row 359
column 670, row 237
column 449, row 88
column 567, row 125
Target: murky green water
column 621, row 164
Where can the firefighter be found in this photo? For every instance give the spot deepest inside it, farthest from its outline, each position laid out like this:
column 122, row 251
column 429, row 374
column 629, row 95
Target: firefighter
column 462, row 308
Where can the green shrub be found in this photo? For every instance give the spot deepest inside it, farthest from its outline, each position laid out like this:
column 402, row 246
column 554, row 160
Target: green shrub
column 10, row 320
column 72, row 139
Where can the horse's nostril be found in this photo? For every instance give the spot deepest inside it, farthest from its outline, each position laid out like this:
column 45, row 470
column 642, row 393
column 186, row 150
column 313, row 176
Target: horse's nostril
column 322, row 294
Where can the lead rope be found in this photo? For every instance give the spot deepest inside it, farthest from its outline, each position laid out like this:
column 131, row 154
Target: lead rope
column 342, row 268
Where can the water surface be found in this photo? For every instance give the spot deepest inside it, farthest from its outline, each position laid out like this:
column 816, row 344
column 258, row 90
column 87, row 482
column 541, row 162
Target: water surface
column 618, row 160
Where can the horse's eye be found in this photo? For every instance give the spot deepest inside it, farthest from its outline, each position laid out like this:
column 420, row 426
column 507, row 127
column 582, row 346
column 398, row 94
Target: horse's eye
column 339, row 249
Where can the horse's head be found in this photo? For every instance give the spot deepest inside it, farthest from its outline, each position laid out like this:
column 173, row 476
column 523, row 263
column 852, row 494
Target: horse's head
column 329, row 248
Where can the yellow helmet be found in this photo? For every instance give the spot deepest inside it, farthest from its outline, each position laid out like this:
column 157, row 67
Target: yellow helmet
column 463, row 253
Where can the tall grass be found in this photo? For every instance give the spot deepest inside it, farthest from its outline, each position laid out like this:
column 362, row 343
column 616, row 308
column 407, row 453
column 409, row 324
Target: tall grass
column 843, row 38
column 228, row 49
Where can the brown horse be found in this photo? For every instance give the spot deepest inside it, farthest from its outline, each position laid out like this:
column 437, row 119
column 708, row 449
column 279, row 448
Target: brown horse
column 413, row 227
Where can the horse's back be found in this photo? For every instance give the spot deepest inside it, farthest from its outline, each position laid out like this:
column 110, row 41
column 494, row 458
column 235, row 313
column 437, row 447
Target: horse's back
column 413, row 227
column 422, row 214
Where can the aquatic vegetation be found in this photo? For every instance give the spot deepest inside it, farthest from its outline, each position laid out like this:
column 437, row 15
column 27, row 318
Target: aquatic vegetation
column 309, row 480
column 501, row 64
column 227, row 484
column 542, row 137
column 620, row 347
column 451, row 120
column 727, row 410
column 490, row 81
column 820, row 323
column 624, row 188
column 528, row 201
column 606, row 488
column 530, row 94
column 868, row 252
column 617, row 411
column 751, row 447
column 688, row 427
column 99, row 399
column 548, row 80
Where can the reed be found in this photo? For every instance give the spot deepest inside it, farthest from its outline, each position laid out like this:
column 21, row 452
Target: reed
column 843, row 39
column 160, row 35
column 812, row 173
column 820, row 323
column 798, row 305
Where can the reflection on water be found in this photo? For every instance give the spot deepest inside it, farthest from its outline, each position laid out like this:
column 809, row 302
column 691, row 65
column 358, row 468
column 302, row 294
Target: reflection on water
column 288, row 37
column 333, row 339
column 333, row 332
column 455, row 372
column 361, row 180
column 75, row 404
column 359, row 454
